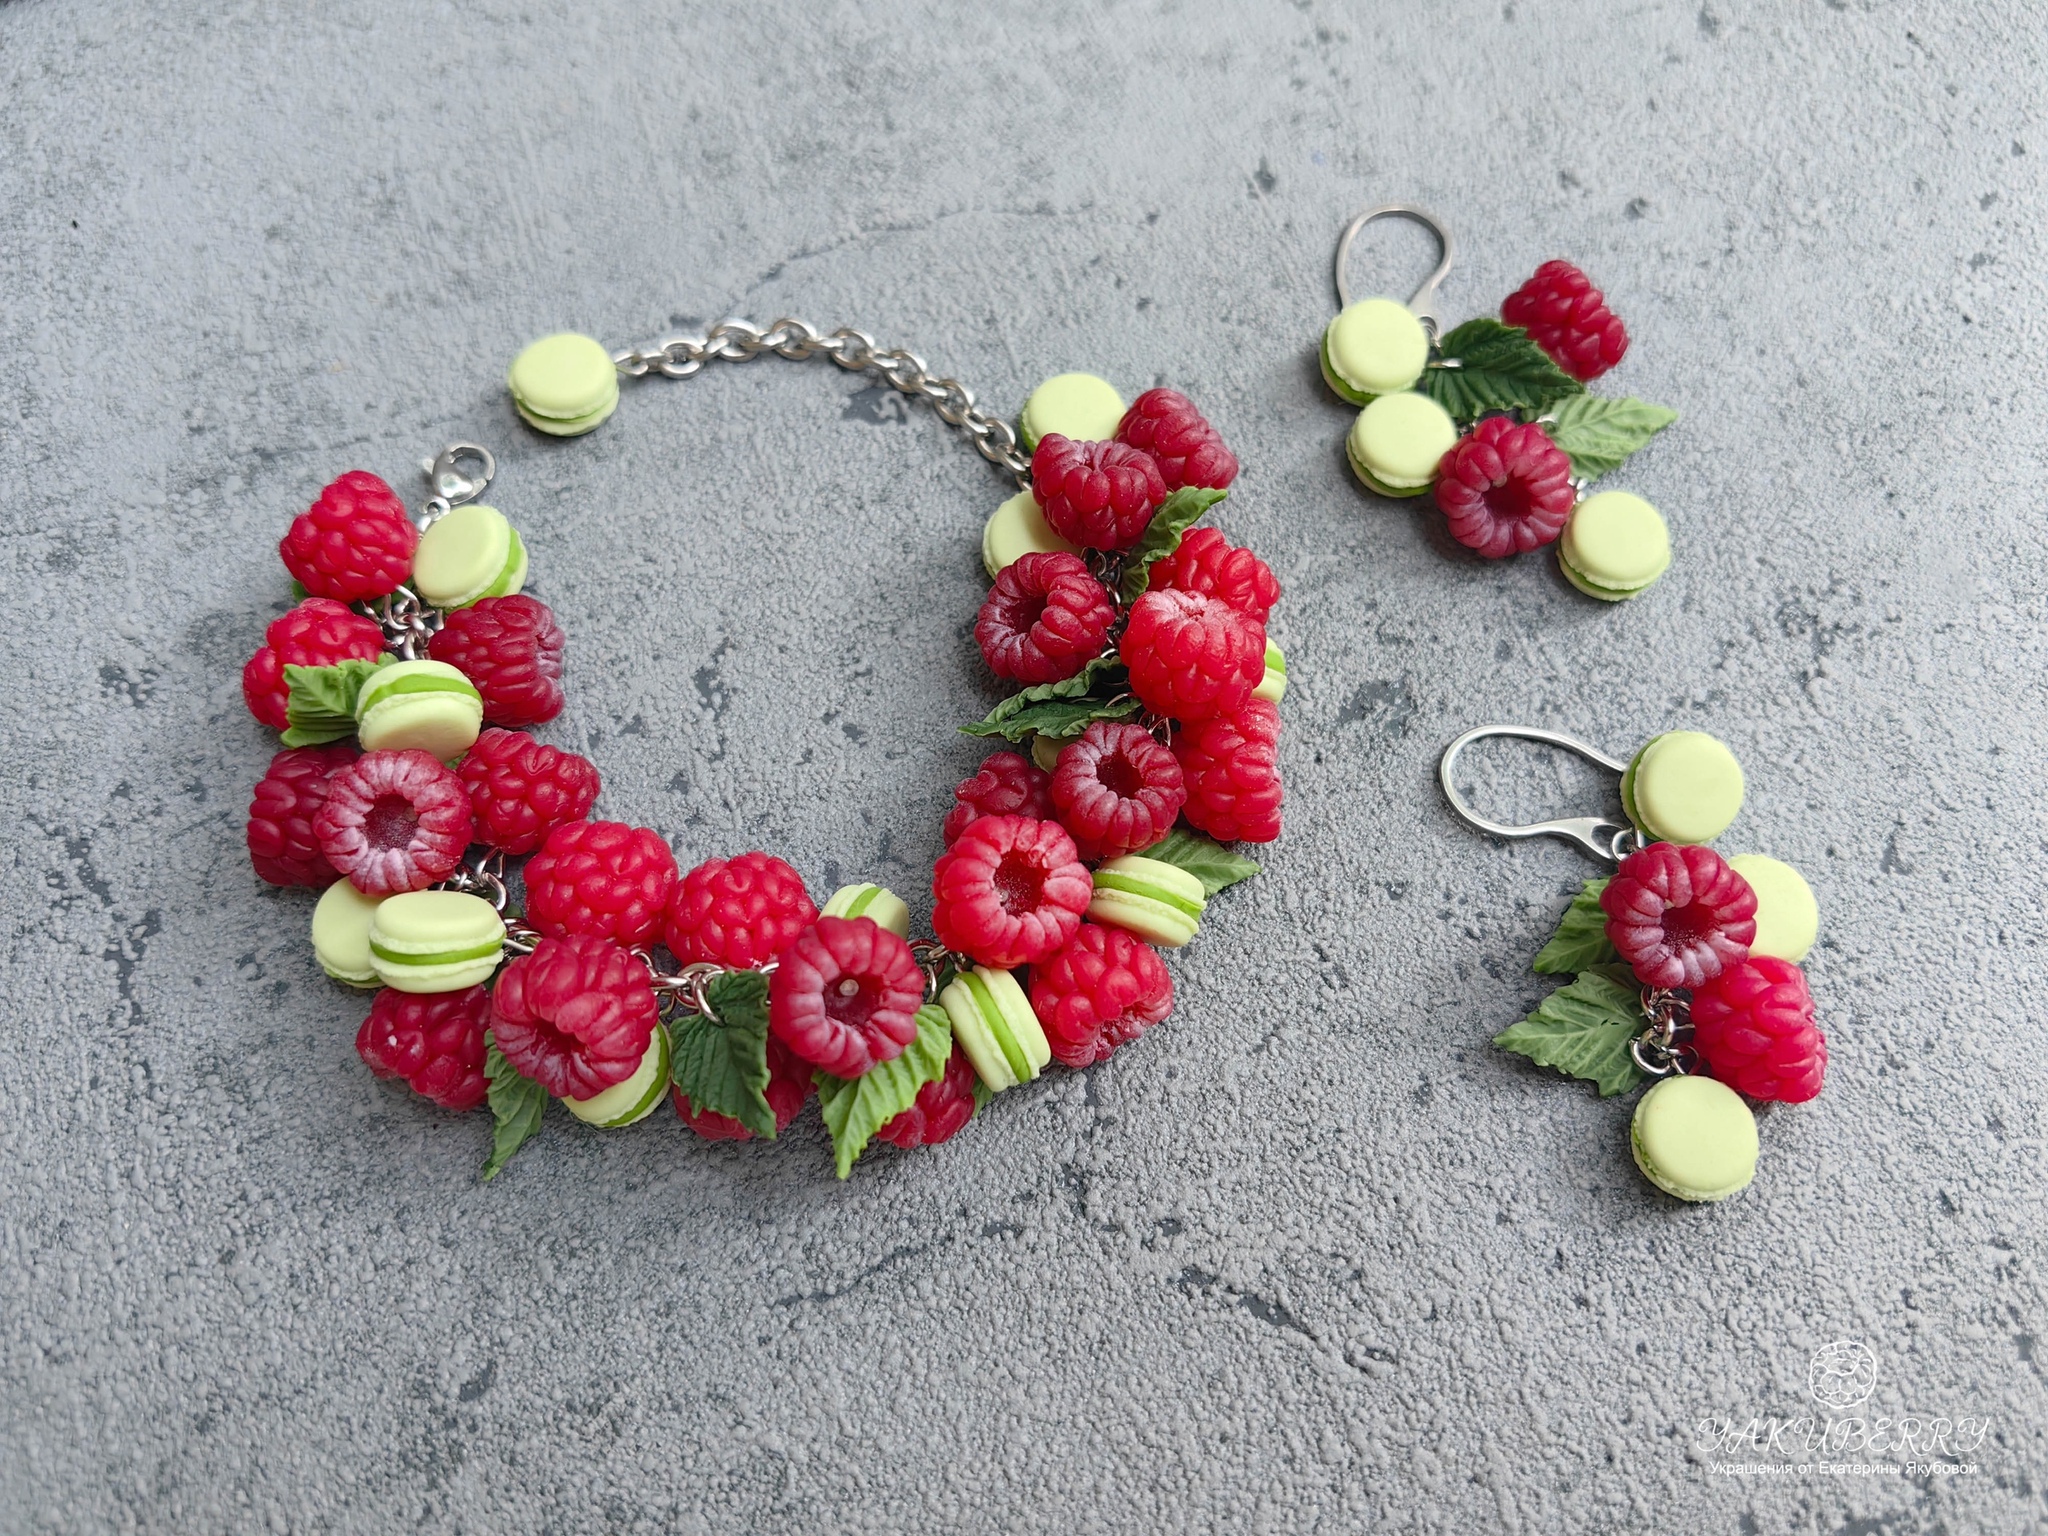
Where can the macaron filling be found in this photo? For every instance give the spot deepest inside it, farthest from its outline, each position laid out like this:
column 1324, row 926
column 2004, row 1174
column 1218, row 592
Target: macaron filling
column 392, row 956
column 629, row 1102
column 1130, row 885
column 994, row 1025
column 998, row 1028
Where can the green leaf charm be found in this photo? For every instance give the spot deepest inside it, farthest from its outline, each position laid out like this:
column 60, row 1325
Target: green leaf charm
column 1063, row 709
column 1583, row 1029
column 722, row 1064
column 1178, row 513
column 1498, row 369
column 517, row 1103
column 857, row 1107
column 1207, row 860
column 1580, row 942
column 321, row 702
column 1597, row 433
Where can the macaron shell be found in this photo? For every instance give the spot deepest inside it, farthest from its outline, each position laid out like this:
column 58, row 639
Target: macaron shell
column 341, row 934
column 632, row 1101
column 574, row 426
column 1274, row 683
column 1338, row 387
column 1018, row 528
column 1045, row 751
column 1376, row 346
column 1694, row 1138
column 469, row 554
column 430, row 923
column 1686, row 788
column 1787, row 916
column 1398, row 441
column 424, row 704
column 880, row 905
column 1076, row 405
column 1591, row 588
column 566, row 380
column 993, row 1023
column 1614, row 545
column 1153, row 921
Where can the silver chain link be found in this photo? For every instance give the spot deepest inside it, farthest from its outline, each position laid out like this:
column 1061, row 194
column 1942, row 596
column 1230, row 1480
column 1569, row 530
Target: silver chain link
column 1665, row 1048
column 739, row 341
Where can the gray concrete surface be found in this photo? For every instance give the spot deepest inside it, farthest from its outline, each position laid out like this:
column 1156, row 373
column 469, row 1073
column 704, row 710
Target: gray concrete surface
column 1313, row 1257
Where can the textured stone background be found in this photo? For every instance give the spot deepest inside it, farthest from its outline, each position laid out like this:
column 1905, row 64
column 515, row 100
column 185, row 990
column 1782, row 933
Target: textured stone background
column 1311, row 1257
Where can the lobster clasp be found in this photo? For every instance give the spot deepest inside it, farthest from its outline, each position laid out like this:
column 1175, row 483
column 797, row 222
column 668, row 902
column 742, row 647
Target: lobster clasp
column 452, row 481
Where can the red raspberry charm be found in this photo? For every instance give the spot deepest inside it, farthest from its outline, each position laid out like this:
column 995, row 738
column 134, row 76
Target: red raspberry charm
column 511, row 649
column 1208, row 563
column 576, row 1015
column 789, row 1085
column 845, row 995
column 1165, row 424
column 1005, row 785
column 1231, row 764
column 739, row 912
column 1568, row 318
column 941, row 1110
column 1010, row 891
column 287, row 801
column 317, row 633
column 1103, row 989
column 1678, row 914
column 1505, row 487
column 601, row 879
column 521, row 790
column 394, row 821
column 1117, row 789
column 1096, row 495
column 1192, row 656
column 435, row 1041
column 1753, row 1026
column 353, row 543
column 1044, row 620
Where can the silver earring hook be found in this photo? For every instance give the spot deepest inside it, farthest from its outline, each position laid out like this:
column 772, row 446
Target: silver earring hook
column 1609, row 841
column 1423, row 303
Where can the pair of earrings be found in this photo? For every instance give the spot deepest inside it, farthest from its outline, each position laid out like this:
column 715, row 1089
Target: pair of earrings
column 1494, row 418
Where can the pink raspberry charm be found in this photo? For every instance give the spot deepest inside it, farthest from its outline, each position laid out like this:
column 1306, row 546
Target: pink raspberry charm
column 522, row 789
column 1208, row 563
column 845, row 995
column 1753, row 1026
column 1103, row 989
column 355, row 542
column 1568, row 318
column 434, row 1041
column 1505, row 487
column 394, row 821
column 600, row 878
column 1006, row 784
column 511, row 649
column 1096, row 495
column 317, row 633
column 941, row 1110
column 738, row 912
column 1165, row 424
column 1010, row 891
column 1678, row 914
column 1044, row 620
column 1117, row 789
column 1231, row 765
column 288, row 800
column 1192, row 656
column 576, row 1015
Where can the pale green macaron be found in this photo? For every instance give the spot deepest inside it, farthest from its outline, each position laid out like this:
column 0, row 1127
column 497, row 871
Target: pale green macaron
column 1398, row 441
column 471, row 553
column 1374, row 347
column 1694, row 1138
column 423, row 704
column 1076, row 405
column 635, row 1098
column 993, row 1023
column 1682, row 787
column 1614, row 545
column 1016, row 529
column 877, row 903
column 341, row 934
column 435, row 941
column 1787, row 916
column 1045, row 751
column 564, row 384
column 1161, row 903
column 1274, row 683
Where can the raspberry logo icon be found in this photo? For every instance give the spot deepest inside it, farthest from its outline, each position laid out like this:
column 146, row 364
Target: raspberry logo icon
column 1843, row 1374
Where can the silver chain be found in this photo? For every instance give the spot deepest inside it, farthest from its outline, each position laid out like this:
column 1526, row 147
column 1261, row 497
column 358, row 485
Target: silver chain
column 739, row 341
column 1665, row 1048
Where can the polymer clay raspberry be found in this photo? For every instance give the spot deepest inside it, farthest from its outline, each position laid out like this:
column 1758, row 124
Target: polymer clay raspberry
column 355, row 542
column 511, row 649
column 1165, row 424
column 1006, row 784
column 738, row 912
column 1096, row 495
column 1102, row 989
column 394, row 821
column 1209, row 563
column 435, row 1042
column 1044, row 620
column 1010, row 891
column 1117, row 789
column 602, row 879
column 789, row 1085
column 1505, row 487
column 317, row 633
column 1568, row 318
column 845, row 995
column 287, row 801
column 1231, row 764
column 1678, row 914
column 576, row 1015
column 1753, row 1026
column 940, row 1111
column 1191, row 655
column 521, row 789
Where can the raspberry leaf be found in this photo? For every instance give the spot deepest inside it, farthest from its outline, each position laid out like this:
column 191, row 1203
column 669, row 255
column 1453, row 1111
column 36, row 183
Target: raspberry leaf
column 1176, row 515
column 721, row 1063
column 1204, row 858
column 857, row 1107
column 1580, row 942
column 1099, row 691
column 517, row 1103
column 1597, row 432
column 321, row 702
column 1583, row 1029
column 1486, row 366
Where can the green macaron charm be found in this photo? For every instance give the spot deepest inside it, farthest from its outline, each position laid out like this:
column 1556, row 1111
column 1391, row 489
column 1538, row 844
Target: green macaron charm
column 1694, row 1138
column 1787, row 916
column 424, row 704
column 435, row 941
column 993, row 1023
column 1614, row 546
column 1075, row 405
column 341, row 934
column 1161, row 903
column 1374, row 347
column 632, row 1101
column 1398, row 441
column 1274, row 683
column 1682, row 787
column 1018, row 528
column 469, row 554
column 564, row 385
column 877, row 903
